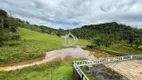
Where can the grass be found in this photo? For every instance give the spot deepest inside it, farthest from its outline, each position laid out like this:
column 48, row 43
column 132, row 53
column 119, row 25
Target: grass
column 61, row 70
column 127, row 49
column 120, row 50
column 32, row 45
column 90, row 77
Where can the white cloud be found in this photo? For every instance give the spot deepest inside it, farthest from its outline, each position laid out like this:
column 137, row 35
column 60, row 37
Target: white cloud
column 66, row 13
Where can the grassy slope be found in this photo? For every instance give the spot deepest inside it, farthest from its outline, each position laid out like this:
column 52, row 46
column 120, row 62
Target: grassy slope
column 120, row 50
column 41, row 72
column 32, row 45
column 127, row 49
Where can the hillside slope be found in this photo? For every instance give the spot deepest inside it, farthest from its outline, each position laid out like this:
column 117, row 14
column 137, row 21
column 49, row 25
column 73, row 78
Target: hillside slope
column 32, row 45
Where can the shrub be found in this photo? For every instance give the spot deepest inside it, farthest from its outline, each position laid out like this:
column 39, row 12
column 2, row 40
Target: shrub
column 16, row 37
column 90, row 46
column 86, row 68
column 1, row 41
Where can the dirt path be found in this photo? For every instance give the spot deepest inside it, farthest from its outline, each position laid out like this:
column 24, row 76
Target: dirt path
column 62, row 54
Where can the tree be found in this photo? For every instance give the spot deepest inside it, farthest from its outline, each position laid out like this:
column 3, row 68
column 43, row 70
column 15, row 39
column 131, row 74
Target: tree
column 1, row 40
column 131, row 38
column 108, row 40
column 3, row 14
column 98, row 42
column 137, row 42
column 27, row 22
column 8, row 26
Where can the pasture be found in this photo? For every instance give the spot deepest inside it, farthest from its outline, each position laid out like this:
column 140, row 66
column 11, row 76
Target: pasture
column 32, row 45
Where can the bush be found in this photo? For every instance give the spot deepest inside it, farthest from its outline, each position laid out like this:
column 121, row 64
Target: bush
column 1, row 41
column 16, row 37
column 90, row 46
column 86, row 68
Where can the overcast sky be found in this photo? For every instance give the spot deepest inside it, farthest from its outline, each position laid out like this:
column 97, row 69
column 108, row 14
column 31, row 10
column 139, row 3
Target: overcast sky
column 69, row 14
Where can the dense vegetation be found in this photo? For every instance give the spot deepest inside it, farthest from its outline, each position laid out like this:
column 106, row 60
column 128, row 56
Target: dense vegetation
column 116, row 39
column 8, row 28
column 110, row 33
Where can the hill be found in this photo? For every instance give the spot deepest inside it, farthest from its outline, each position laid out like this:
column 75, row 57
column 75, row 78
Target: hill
column 21, row 40
column 107, row 34
column 32, row 45
column 104, row 34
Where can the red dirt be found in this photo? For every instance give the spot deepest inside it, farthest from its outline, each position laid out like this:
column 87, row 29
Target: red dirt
column 97, row 53
column 68, row 58
column 2, row 68
column 24, row 62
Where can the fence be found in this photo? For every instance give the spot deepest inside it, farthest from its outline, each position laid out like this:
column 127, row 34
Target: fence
column 77, row 64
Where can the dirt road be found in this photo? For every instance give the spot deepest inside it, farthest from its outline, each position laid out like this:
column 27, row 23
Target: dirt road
column 62, row 54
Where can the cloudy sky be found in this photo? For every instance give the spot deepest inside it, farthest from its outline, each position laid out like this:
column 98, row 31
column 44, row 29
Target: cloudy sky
column 69, row 14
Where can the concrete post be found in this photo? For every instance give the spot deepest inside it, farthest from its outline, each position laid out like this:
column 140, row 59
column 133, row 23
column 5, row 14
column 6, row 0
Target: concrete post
column 122, row 58
column 131, row 57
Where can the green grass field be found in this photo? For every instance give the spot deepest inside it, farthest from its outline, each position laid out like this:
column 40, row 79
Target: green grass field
column 32, row 45
column 61, row 70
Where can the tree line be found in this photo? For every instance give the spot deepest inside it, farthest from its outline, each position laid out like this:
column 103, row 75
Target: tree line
column 104, row 34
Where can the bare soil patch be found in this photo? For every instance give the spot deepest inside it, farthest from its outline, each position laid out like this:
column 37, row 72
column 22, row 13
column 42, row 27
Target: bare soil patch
column 2, row 68
column 97, row 53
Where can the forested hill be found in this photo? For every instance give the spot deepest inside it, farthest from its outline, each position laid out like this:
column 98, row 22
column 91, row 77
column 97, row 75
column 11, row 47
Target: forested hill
column 105, row 33
column 112, row 28
column 109, row 33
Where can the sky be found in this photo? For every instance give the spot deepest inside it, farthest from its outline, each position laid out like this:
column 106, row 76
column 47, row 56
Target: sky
column 69, row 14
